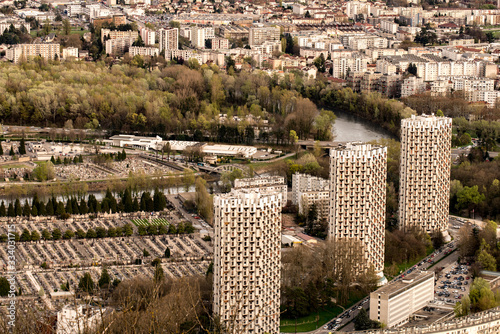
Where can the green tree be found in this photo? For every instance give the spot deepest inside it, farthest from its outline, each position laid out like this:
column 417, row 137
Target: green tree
column 46, row 235
column 363, row 322
column 56, row 234
column 86, row 283
column 159, row 275
column 294, row 139
column 68, row 234
column 22, row 147
column 26, row 235
column 4, row 286
column 167, row 253
column 91, row 234
column 35, row 236
column 188, row 178
column 203, row 200
column 105, row 279
column 468, row 198
column 145, row 253
column 66, row 27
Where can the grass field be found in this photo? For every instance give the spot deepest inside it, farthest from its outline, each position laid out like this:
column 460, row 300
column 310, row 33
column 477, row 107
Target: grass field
column 318, row 319
column 146, row 222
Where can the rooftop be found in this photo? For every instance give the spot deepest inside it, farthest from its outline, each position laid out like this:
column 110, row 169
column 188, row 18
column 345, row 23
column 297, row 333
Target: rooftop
column 406, row 283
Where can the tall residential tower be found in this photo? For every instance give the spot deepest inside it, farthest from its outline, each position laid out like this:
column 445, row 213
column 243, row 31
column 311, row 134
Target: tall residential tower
column 247, row 260
column 357, row 199
column 169, row 41
column 424, row 186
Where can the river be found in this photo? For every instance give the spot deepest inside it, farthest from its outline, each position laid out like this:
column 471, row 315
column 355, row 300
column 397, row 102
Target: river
column 350, row 127
column 347, row 127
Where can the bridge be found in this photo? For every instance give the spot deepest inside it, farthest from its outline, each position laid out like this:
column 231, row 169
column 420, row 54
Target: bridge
column 223, row 169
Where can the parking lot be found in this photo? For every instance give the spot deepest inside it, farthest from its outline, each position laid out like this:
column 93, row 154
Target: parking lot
column 452, row 284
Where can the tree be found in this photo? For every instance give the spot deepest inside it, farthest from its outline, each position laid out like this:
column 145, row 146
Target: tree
column 437, row 239
column 439, row 113
column 481, row 296
column 86, row 283
column 468, row 198
column 188, row 178
column 167, row 253
column 294, row 139
column 66, row 27
column 156, row 262
column 46, row 235
column 35, row 236
column 319, row 62
column 138, row 42
column 22, row 147
column 25, row 236
column 44, row 171
column 91, row 234
column 68, row 234
column 145, row 253
column 4, row 286
column 159, row 274
column 105, row 279
column 363, row 322
column 56, row 234
column 204, row 201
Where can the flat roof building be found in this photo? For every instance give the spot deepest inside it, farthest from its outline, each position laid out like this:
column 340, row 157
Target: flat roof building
column 357, row 200
column 394, row 303
column 425, row 173
column 247, row 260
column 267, row 183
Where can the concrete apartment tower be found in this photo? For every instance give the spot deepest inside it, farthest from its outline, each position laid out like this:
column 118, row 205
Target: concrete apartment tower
column 424, row 186
column 247, row 260
column 357, row 199
column 169, row 41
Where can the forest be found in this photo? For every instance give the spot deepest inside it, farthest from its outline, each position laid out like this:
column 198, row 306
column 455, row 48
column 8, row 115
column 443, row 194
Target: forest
column 172, row 101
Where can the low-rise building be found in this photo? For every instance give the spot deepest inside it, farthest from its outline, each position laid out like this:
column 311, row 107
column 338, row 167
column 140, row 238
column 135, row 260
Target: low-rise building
column 47, row 51
column 394, row 303
column 143, row 51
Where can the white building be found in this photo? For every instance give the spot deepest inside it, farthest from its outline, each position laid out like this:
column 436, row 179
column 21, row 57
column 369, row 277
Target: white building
column 308, row 190
column 425, row 173
column 119, row 46
column 70, row 52
column 198, row 37
column 82, row 318
column 260, row 34
column 357, row 200
column 411, row 86
column 275, row 184
column 394, row 303
column 148, row 36
column 131, row 141
column 143, row 51
column 220, row 43
column 247, row 260
column 47, row 51
column 169, row 41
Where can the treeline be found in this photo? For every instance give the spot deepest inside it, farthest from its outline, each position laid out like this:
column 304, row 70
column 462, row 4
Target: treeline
column 475, row 186
column 171, row 100
column 109, row 204
column 311, row 278
column 100, row 232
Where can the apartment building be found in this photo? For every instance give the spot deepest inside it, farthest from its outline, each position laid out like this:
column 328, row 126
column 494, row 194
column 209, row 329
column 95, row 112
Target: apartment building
column 393, row 304
column 357, row 199
column 261, row 34
column 425, row 173
column 342, row 66
column 148, row 36
column 198, row 37
column 275, row 184
column 143, row 51
column 220, row 43
column 411, row 86
column 389, row 26
column 115, row 34
column 308, row 190
column 18, row 25
column 390, row 85
column 47, row 51
column 118, row 46
column 369, row 82
column 70, row 52
column 236, row 32
column 247, row 260
column 169, row 41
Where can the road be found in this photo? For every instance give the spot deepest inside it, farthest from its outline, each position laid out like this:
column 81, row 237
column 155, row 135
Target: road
column 425, row 264
column 187, row 216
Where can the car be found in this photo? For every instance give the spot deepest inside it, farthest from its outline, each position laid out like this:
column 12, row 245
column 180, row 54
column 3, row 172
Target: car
column 360, row 307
